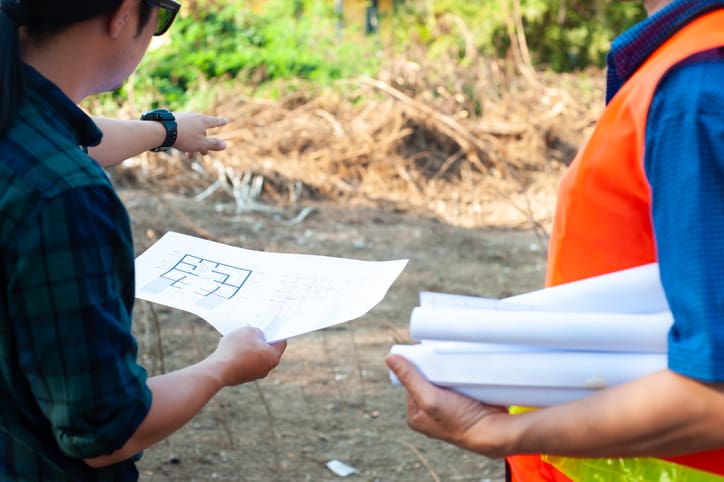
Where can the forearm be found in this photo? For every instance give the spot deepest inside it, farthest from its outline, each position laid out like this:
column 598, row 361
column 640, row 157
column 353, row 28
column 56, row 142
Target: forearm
column 660, row 415
column 177, row 397
column 241, row 356
column 123, row 139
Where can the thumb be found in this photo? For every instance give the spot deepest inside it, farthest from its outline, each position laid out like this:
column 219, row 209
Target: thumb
column 279, row 346
column 407, row 373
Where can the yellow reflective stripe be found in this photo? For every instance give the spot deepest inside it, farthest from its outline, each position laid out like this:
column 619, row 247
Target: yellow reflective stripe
column 628, row 470
column 517, row 410
column 622, row 470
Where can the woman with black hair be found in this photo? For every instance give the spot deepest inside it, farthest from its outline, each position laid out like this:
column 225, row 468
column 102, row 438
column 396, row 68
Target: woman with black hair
column 76, row 406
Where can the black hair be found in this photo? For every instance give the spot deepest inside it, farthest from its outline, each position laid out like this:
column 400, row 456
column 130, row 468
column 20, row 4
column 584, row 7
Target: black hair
column 39, row 18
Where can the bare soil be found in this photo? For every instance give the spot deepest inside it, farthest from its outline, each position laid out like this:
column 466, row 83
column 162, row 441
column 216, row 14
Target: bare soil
column 401, row 167
column 331, row 396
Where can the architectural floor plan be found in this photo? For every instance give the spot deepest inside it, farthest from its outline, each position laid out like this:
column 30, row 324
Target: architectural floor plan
column 283, row 294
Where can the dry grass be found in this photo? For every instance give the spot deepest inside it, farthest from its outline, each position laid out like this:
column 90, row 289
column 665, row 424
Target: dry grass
column 449, row 140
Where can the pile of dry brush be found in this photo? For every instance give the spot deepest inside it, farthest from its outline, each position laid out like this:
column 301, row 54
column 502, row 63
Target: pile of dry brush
column 445, row 139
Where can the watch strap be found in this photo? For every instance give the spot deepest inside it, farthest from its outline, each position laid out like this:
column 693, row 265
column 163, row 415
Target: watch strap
column 168, row 120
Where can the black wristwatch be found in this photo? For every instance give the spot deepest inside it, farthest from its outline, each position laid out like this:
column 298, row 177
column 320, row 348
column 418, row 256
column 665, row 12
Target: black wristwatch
column 169, row 123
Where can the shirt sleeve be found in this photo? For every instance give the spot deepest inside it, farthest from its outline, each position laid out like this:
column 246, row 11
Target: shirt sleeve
column 72, row 292
column 685, row 166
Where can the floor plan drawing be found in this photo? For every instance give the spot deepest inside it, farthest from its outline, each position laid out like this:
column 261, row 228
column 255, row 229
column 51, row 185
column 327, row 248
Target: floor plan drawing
column 282, row 294
column 211, row 281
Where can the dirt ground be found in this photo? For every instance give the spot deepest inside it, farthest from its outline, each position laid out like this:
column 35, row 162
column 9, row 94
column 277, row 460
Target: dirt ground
column 412, row 172
column 331, row 397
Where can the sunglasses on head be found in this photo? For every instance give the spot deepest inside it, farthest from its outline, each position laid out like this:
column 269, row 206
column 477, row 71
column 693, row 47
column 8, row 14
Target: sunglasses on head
column 167, row 10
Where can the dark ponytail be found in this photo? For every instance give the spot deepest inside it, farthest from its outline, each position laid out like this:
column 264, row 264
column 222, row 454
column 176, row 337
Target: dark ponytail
column 12, row 81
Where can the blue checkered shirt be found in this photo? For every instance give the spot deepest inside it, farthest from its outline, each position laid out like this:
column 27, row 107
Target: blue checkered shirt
column 684, row 162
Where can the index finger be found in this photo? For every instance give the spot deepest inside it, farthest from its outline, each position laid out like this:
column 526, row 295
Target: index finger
column 212, row 122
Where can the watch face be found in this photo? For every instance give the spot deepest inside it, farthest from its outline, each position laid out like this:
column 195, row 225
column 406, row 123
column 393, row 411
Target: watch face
column 158, row 114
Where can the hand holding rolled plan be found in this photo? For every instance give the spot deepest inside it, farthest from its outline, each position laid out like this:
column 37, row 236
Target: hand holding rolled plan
column 545, row 347
column 508, row 375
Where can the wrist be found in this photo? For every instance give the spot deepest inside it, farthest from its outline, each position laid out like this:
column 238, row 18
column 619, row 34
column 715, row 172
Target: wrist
column 214, row 370
column 497, row 437
column 153, row 134
column 166, row 119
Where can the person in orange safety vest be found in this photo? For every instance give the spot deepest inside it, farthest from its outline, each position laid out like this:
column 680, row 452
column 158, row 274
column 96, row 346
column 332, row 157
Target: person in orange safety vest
column 648, row 186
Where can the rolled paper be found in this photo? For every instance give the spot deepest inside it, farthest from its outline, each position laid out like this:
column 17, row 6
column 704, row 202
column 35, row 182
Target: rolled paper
column 544, row 347
column 535, row 378
column 633, row 290
column 618, row 332
column 572, row 369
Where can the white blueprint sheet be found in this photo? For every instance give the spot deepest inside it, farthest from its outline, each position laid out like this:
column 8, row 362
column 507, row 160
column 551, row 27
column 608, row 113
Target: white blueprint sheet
column 622, row 332
column 634, row 290
column 544, row 347
column 284, row 295
column 623, row 311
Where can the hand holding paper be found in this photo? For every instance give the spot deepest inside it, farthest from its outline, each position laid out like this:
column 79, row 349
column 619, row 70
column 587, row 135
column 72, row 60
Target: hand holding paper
column 446, row 415
column 244, row 355
column 545, row 347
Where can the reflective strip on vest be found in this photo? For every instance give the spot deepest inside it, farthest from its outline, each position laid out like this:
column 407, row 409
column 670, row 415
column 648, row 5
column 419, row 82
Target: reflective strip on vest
column 628, row 470
column 603, row 224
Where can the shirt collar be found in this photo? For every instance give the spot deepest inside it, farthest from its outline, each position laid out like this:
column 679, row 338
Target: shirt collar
column 633, row 47
column 65, row 110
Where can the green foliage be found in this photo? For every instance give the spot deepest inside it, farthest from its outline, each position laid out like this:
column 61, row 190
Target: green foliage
column 561, row 34
column 569, row 35
column 222, row 43
column 419, row 21
column 228, row 40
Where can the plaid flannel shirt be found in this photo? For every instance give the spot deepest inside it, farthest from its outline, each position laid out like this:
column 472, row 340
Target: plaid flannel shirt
column 70, row 384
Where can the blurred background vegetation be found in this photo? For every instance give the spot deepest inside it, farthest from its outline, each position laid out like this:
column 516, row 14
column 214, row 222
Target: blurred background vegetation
column 264, row 47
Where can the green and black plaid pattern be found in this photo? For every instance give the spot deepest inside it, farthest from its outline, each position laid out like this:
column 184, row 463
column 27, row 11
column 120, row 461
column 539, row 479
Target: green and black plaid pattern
column 68, row 373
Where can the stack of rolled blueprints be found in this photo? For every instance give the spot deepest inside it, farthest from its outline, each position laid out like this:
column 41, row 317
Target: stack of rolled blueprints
column 544, row 347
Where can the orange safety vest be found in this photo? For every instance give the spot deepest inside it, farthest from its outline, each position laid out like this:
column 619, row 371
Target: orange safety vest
column 603, row 224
